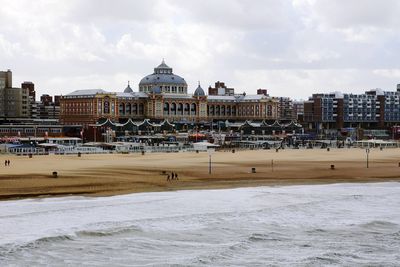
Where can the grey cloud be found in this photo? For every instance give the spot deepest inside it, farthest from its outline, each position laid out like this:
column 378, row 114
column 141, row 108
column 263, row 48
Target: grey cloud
column 287, row 48
column 115, row 11
column 249, row 15
column 355, row 13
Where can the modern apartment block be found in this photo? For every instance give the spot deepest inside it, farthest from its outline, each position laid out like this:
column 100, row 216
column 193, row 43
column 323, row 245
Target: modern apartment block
column 285, row 108
column 30, row 86
column 47, row 108
column 298, row 110
column 375, row 109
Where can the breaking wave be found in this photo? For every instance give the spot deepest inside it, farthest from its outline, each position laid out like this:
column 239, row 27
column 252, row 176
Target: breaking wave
column 290, row 226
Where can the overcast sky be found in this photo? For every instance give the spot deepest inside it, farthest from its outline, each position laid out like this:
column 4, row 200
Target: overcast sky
column 292, row 48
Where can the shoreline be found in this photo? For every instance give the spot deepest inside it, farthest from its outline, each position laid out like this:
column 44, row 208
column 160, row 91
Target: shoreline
column 205, row 187
column 117, row 174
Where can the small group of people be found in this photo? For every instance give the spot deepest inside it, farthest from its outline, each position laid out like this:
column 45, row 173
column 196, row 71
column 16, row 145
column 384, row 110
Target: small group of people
column 7, row 162
column 173, row 176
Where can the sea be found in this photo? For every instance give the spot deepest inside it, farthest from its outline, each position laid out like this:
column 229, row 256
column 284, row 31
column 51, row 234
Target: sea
column 304, row 225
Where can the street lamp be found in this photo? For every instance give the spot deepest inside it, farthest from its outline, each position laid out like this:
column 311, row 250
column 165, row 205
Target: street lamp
column 210, row 152
column 367, row 152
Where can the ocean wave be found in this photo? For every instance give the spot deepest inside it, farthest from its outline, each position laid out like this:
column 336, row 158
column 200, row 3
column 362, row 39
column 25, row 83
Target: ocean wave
column 321, row 261
column 379, row 224
column 7, row 249
column 13, row 248
column 110, row 231
column 270, row 237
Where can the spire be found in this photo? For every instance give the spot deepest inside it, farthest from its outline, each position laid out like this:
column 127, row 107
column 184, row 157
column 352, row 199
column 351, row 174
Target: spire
column 199, row 83
column 128, row 89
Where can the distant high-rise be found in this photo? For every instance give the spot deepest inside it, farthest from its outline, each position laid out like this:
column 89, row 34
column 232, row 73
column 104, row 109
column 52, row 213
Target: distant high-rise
column 220, row 89
column 46, row 99
column 14, row 102
column 285, row 108
column 262, row 92
column 5, row 79
column 30, row 87
column 398, row 88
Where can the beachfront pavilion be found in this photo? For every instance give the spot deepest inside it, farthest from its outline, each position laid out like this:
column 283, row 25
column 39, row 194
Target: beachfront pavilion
column 107, row 130
column 162, row 96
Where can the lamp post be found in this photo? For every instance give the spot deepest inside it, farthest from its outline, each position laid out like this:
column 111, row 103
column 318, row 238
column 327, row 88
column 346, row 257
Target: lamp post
column 367, row 152
column 210, row 152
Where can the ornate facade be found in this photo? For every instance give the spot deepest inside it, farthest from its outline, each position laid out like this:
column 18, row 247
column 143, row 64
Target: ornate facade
column 163, row 95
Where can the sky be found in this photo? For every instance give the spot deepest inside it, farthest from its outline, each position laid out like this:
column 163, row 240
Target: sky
column 292, row 48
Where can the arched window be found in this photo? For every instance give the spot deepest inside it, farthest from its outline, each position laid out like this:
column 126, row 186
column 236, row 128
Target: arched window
column 228, row 110
column 121, row 109
column 180, row 109
column 128, row 109
column 166, row 108
column 187, row 108
column 134, row 109
column 223, row 110
column 173, row 109
column 141, row 109
column 217, row 109
column 269, row 110
column 211, row 108
column 193, row 109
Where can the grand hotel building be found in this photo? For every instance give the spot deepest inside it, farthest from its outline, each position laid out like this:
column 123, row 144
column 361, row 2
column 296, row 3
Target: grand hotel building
column 162, row 96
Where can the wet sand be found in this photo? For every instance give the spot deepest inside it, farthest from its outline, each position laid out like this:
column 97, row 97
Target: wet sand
column 112, row 174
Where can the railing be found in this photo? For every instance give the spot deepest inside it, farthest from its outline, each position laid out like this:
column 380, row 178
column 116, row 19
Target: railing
column 23, row 151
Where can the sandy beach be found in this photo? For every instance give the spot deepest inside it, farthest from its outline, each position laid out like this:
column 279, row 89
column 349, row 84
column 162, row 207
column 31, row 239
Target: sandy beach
column 111, row 174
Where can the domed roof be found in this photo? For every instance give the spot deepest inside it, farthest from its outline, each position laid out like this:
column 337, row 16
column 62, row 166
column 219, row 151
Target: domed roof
column 162, row 78
column 128, row 89
column 199, row 91
column 162, row 75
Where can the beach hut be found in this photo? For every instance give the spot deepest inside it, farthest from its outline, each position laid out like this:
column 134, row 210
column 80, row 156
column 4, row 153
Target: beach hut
column 203, row 146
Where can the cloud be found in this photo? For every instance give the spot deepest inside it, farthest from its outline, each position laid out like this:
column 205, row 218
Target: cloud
column 388, row 73
column 307, row 82
column 290, row 47
column 353, row 13
column 7, row 48
column 244, row 15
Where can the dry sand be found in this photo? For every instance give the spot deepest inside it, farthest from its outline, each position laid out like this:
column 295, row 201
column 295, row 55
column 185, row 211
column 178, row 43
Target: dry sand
column 111, row 174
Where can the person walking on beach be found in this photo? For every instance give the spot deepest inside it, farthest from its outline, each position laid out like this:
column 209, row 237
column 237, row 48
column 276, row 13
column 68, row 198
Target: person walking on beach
column 8, row 162
column 172, row 176
column 5, row 163
column 176, row 176
column 167, row 177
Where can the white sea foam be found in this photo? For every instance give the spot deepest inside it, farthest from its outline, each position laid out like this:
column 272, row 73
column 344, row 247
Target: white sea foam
column 311, row 225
